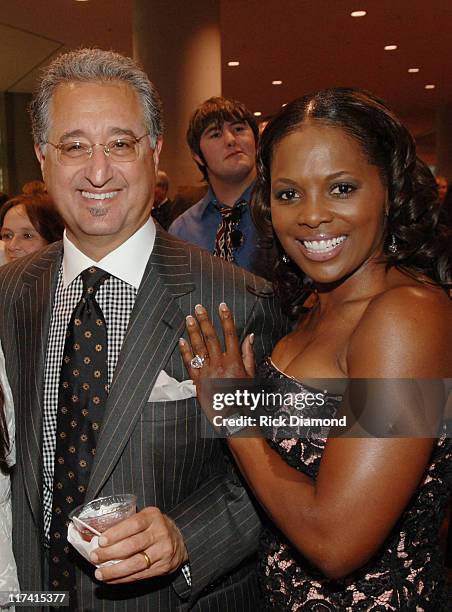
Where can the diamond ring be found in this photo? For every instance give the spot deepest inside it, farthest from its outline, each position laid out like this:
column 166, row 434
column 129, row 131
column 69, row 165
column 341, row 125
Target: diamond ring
column 197, row 362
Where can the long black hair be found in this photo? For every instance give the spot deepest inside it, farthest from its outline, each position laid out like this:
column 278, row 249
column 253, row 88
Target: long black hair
column 423, row 249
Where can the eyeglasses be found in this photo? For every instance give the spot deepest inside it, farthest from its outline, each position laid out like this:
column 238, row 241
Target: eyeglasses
column 77, row 152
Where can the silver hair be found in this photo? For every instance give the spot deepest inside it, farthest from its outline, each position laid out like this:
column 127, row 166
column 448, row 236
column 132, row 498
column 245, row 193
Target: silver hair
column 94, row 65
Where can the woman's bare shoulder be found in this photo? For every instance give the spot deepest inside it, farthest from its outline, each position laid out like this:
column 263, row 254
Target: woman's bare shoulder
column 405, row 331
column 410, row 302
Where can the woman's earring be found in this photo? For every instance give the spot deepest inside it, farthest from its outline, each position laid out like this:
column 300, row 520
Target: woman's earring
column 285, row 259
column 393, row 248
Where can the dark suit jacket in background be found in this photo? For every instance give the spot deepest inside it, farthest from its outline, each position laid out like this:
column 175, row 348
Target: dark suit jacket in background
column 155, row 450
column 162, row 213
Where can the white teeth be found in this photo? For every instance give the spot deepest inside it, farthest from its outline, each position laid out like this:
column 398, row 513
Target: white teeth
column 323, row 246
column 98, row 196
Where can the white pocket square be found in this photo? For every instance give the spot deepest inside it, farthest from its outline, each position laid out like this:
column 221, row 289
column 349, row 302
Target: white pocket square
column 167, row 388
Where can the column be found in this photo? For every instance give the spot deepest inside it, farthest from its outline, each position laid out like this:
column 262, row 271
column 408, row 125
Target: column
column 179, row 45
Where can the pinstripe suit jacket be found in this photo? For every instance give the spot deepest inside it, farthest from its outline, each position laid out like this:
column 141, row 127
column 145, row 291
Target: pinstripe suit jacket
column 155, row 450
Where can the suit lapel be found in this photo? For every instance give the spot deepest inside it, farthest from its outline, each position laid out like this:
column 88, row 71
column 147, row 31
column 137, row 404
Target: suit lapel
column 155, row 325
column 32, row 315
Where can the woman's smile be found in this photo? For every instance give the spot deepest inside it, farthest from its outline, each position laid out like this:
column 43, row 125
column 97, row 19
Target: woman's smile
column 327, row 202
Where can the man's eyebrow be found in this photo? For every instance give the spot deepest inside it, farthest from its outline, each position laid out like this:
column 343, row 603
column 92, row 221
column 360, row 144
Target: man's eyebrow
column 73, row 134
column 114, row 131
column 212, row 127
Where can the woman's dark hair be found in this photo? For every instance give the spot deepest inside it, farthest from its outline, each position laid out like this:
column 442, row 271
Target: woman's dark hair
column 4, row 438
column 41, row 211
column 445, row 213
column 422, row 247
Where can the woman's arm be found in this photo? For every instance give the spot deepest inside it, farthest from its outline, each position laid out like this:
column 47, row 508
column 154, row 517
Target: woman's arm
column 340, row 520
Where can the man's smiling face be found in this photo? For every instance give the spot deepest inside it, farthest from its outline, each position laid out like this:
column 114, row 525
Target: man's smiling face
column 102, row 201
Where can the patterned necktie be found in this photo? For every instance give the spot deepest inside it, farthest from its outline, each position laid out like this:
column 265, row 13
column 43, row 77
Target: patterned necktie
column 82, row 395
column 228, row 235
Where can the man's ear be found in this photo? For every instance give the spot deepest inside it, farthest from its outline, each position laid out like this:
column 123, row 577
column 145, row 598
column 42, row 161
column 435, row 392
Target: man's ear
column 198, row 160
column 41, row 158
column 157, row 151
column 201, row 165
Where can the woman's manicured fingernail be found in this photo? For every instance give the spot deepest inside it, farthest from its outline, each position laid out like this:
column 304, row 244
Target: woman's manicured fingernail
column 251, row 337
column 98, row 574
column 223, row 307
column 94, row 558
column 182, row 342
column 199, row 309
column 103, row 541
column 190, row 320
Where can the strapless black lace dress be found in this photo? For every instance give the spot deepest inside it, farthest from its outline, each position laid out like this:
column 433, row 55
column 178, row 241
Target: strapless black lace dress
column 407, row 573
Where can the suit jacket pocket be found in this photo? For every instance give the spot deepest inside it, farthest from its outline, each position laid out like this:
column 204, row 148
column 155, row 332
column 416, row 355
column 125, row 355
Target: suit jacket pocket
column 171, row 410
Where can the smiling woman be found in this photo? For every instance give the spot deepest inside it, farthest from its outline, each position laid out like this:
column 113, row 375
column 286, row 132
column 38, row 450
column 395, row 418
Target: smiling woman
column 327, row 202
column 365, row 271
column 29, row 222
column 360, row 127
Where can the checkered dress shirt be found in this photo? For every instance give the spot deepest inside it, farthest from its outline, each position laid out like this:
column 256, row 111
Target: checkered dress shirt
column 116, row 299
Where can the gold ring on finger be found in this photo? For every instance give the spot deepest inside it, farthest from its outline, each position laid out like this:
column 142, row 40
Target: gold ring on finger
column 146, row 558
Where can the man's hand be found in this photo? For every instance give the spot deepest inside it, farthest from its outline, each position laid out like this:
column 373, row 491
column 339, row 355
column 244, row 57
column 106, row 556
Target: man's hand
column 148, row 531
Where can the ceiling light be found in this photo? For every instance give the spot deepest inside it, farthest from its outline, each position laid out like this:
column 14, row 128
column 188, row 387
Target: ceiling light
column 233, row 63
column 283, row 105
column 257, row 114
column 390, row 47
column 413, row 70
column 430, row 86
column 276, row 82
column 358, row 14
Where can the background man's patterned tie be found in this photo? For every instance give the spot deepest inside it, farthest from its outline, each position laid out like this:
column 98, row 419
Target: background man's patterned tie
column 225, row 239
column 82, row 396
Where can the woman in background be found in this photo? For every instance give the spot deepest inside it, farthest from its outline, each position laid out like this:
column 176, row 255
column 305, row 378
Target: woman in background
column 29, row 222
column 365, row 270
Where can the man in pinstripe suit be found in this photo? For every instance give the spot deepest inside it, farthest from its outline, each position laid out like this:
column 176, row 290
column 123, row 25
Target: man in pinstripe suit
column 97, row 128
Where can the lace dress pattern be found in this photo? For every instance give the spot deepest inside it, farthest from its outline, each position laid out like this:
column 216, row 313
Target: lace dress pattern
column 407, row 573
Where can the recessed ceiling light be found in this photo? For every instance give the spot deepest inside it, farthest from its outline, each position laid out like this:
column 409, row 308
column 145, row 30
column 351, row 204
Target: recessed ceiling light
column 276, row 82
column 257, row 114
column 358, row 13
column 283, row 105
column 430, row 86
column 233, row 63
column 413, row 69
column 390, row 47
column 81, row 0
